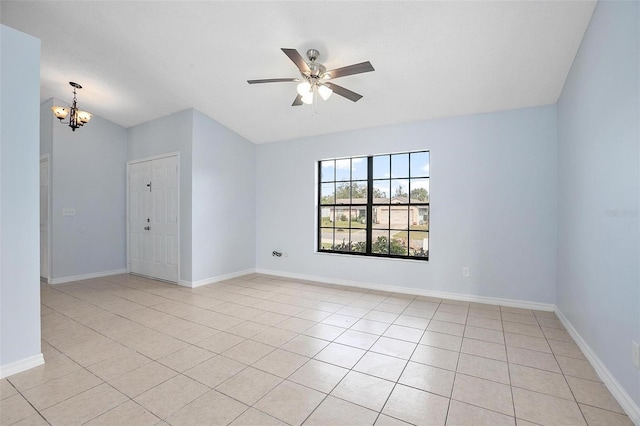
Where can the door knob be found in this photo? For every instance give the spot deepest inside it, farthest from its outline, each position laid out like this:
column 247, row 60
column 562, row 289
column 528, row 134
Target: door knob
column 147, row 228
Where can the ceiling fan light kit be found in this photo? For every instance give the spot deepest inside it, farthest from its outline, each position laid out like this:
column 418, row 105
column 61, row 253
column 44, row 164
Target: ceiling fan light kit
column 314, row 78
column 77, row 118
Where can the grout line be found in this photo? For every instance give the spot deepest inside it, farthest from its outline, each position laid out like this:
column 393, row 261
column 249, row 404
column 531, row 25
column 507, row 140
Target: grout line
column 230, row 293
column 18, row 392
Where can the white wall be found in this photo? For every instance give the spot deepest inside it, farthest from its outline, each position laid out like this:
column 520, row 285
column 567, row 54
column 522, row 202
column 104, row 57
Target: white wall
column 88, row 174
column 161, row 136
column 223, row 201
column 493, row 196
column 46, row 148
column 46, row 128
column 599, row 184
column 19, row 201
column 217, row 191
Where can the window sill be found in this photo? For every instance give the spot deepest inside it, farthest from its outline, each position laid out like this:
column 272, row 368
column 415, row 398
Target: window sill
column 356, row 256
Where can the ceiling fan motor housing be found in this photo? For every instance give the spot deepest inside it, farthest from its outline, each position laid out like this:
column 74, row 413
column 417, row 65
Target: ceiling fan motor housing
column 316, row 70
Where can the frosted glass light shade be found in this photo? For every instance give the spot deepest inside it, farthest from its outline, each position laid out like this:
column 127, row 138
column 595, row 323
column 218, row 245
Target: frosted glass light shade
column 307, row 98
column 324, row 92
column 60, row 112
column 84, row 116
column 304, row 88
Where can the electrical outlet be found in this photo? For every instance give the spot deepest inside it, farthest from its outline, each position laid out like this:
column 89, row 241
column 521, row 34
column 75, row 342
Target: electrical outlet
column 635, row 351
column 465, row 271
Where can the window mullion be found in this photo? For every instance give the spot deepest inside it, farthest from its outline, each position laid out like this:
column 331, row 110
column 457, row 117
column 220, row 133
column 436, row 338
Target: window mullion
column 369, row 204
column 319, row 245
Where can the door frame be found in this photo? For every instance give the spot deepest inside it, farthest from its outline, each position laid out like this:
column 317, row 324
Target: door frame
column 142, row 160
column 47, row 158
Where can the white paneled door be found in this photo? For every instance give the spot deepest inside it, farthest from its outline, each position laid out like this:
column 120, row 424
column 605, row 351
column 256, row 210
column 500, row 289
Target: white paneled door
column 153, row 218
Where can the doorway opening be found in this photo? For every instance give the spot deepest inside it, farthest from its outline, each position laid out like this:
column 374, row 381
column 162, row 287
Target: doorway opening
column 45, row 210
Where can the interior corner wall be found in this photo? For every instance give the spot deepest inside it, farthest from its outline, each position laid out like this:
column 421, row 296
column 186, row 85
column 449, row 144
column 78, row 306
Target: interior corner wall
column 493, row 205
column 19, row 201
column 223, row 209
column 598, row 287
column 164, row 135
column 88, row 175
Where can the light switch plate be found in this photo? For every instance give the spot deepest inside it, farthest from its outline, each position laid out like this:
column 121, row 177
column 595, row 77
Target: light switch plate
column 67, row 211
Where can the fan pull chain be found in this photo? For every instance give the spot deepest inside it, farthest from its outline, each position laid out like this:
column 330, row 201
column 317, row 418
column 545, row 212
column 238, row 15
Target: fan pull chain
column 314, row 111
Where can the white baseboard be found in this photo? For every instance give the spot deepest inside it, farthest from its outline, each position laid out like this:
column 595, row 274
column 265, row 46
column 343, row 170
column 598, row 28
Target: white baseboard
column 618, row 392
column 87, row 276
column 212, row 280
column 415, row 291
column 20, row 366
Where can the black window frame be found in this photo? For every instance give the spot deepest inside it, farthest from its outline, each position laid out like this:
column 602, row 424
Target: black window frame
column 366, row 248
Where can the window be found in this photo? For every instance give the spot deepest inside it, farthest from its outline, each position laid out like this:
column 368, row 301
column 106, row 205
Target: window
column 375, row 206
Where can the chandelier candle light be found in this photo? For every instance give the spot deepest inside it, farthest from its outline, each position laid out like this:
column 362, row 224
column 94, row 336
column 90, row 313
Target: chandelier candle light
column 77, row 118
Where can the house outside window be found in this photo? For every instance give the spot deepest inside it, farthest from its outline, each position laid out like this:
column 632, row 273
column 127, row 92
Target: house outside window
column 375, row 205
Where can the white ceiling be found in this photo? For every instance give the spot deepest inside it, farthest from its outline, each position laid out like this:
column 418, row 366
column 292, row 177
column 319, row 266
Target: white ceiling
column 140, row 60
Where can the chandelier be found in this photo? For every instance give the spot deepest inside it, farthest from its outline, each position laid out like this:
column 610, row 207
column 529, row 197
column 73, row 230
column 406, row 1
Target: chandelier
column 77, row 118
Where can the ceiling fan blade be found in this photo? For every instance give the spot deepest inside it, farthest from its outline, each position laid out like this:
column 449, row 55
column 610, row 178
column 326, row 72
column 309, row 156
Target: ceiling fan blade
column 345, row 93
column 297, row 101
column 272, row 80
column 297, row 59
column 351, row 69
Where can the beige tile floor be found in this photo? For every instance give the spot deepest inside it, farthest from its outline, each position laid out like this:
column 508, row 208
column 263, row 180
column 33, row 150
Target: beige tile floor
column 260, row 350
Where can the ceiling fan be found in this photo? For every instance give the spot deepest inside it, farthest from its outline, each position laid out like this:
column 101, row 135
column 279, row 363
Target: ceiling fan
column 314, row 78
